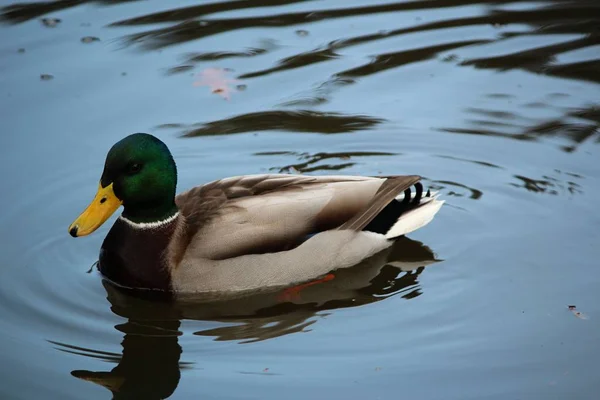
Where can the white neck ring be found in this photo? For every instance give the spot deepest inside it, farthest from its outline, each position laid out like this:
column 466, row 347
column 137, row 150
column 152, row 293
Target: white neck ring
column 149, row 225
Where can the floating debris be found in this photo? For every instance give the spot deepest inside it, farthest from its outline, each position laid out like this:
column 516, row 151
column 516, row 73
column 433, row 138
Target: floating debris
column 21, row 50
column 51, row 22
column 241, row 88
column 217, row 81
column 46, row 77
column 89, row 39
column 302, row 32
column 576, row 313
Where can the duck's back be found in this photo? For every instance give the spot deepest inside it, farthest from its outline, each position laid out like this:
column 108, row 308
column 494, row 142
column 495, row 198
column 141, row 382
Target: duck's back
column 269, row 213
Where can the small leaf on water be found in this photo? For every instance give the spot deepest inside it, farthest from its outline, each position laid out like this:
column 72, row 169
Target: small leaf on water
column 50, row 22
column 89, row 39
column 216, row 79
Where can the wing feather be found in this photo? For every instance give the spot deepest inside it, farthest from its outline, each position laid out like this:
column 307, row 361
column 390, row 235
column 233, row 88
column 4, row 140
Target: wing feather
column 268, row 213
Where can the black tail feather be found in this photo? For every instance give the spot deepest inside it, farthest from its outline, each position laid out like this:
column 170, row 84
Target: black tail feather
column 384, row 221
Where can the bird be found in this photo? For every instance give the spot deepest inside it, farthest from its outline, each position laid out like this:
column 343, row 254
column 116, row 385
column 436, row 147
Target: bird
column 242, row 233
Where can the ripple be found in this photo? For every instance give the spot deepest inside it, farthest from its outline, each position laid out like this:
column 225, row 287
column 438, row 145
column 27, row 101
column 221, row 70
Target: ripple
column 296, row 61
column 150, row 360
column 548, row 185
column 191, row 12
column 22, row 12
column 290, row 121
column 576, row 125
column 309, row 160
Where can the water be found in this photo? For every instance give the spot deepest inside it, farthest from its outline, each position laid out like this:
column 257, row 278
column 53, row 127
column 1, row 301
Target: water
column 496, row 104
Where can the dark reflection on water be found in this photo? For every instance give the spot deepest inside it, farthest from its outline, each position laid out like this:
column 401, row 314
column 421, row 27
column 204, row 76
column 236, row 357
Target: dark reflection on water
column 539, row 60
column 22, row 12
column 187, row 13
column 293, row 121
column 477, row 162
column 576, row 126
column 379, row 63
column 559, row 17
column 547, row 184
column 265, row 47
column 150, row 364
column 149, row 367
column 472, row 193
column 296, row 61
column 192, row 30
column 383, row 62
column 179, row 70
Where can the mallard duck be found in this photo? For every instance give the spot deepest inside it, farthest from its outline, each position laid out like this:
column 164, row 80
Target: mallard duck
column 241, row 233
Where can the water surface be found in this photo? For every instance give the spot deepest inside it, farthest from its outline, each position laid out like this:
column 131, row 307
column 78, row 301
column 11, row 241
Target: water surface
column 495, row 103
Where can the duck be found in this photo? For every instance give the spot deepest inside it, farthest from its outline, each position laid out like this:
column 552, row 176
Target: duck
column 242, row 233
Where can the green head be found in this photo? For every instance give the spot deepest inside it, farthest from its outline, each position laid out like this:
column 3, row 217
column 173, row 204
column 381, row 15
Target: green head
column 144, row 177
column 140, row 174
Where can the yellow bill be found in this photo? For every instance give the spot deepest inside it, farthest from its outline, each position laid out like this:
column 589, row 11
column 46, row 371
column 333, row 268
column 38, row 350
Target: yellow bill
column 100, row 209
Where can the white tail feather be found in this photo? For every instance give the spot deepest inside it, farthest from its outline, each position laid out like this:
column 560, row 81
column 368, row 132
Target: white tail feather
column 432, row 194
column 415, row 219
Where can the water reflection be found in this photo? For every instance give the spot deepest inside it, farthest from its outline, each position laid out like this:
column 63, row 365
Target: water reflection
column 185, row 13
column 542, row 59
column 459, row 189
column 290, row 121
column 149, row 367
column 514, row 24
column 547, row 184
column 383, row 62
column 556, row 17
column 22, row 12
column 150, row 364
column 575, row 125
column 482, row 70
column 296, row 61
column 265, row 47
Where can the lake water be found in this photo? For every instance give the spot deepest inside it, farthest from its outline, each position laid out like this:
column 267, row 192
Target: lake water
column 495, row 103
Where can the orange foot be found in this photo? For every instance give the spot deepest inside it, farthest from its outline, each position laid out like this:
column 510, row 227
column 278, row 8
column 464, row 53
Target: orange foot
column 293, row 293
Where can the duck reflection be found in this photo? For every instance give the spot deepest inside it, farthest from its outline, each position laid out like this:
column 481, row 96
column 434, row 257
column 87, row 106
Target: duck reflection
column 150, row 365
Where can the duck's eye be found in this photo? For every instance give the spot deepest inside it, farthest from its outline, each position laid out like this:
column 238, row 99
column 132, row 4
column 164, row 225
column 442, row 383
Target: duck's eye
column 134, row 168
